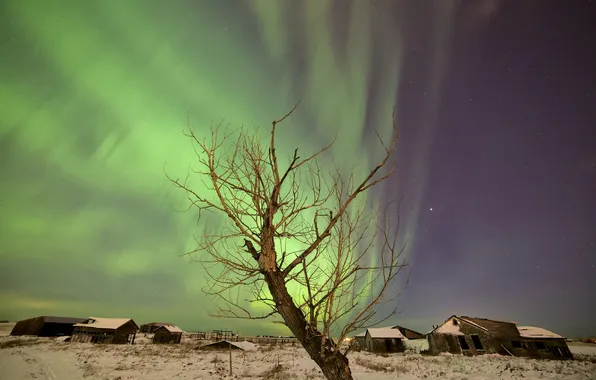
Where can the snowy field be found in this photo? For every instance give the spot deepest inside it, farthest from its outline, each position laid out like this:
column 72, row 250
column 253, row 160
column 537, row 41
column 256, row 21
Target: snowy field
column 50, row 359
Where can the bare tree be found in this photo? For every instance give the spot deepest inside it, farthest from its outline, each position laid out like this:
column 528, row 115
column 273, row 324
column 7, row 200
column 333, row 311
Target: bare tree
column 301, row 238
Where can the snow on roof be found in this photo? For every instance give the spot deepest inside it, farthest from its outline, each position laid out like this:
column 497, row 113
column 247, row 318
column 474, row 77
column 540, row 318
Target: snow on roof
column 381, row 332
column 449, row 328
column 537, row 332
column 171, row 328
column 361, row 334
column 105, row 323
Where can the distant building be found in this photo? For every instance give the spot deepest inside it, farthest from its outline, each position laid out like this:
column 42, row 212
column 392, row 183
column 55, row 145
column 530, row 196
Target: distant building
column 105, row 330
column 361, row 340
column 149, row 328
column 384, row 339
column 167, row 334
column 406, row 333
column 476, row 336
column 46, row 326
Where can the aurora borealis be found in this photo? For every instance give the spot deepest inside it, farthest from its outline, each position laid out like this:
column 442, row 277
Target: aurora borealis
column 495, row 110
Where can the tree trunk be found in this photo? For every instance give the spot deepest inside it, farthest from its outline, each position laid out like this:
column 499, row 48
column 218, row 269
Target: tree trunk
column 333, row 363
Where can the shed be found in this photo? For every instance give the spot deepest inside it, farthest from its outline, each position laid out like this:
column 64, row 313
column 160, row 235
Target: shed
column 536, row 342
column 472, row 336
column 46, row 326
column 167, row 334
column 384, row 339
column 105, row 330
column 224, row 345
column 361, row 340
column 149, row 328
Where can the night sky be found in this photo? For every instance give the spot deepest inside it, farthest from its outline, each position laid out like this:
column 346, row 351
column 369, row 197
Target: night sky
column 495, row 103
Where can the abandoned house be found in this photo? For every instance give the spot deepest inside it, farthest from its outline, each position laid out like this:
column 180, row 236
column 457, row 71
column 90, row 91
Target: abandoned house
column 46, row 326
column 149, row 328
column 536, row 342
column 384, row 339
column 167, row 334
column 473, row 336
column 105, row 330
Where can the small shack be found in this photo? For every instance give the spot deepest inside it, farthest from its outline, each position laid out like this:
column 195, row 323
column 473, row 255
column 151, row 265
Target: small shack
column 473, row 336
column 536, row 342
column 384, row 339
column 167, row 334
column 360, row 340
column 224, row 345
column 46, row 326
column 105, row 330
column 149, row 328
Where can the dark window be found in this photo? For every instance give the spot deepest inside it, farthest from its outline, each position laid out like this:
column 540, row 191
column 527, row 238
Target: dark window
column 463, row 343
column 516, row 344
column 540, row 346
column 477, row 343
column 455, row 322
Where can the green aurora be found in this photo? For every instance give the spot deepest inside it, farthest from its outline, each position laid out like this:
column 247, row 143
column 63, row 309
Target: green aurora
column 93, row 99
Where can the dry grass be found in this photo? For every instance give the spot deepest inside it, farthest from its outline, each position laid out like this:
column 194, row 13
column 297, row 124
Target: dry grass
column 20, row 343
column 278, row 372
column 370, row 364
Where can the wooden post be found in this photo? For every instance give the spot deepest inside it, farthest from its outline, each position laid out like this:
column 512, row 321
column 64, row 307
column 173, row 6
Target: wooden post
column 230, row 359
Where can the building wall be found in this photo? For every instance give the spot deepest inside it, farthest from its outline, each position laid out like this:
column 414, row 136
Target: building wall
column 167, row 337
column 541, row 348
column 384, row 345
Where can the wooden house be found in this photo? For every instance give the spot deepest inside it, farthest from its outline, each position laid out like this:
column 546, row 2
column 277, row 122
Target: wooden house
column 473, row 336
column 168, row 334
column 105, row 330
column 384, row 339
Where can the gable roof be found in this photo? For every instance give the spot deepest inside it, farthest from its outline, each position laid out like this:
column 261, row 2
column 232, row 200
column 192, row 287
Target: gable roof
column 106, row 323
column 384, row 332
column 537, row 332
column 170, row 328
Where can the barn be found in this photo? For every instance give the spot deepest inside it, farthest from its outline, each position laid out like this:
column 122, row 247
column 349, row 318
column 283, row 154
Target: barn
column 536, row 342
column 384, row 339
column 105, row 330
column 46, row 326
column 473, row 336
column 167, row 334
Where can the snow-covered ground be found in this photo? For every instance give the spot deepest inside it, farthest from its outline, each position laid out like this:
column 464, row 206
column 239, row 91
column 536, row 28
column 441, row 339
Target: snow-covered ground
column 51, row 359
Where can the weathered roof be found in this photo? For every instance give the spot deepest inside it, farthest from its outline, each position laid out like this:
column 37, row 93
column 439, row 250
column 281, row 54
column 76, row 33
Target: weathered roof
column 537, row 332
column 484, row 323
column 170, row 328
column 106, row 323
column 381, row 332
